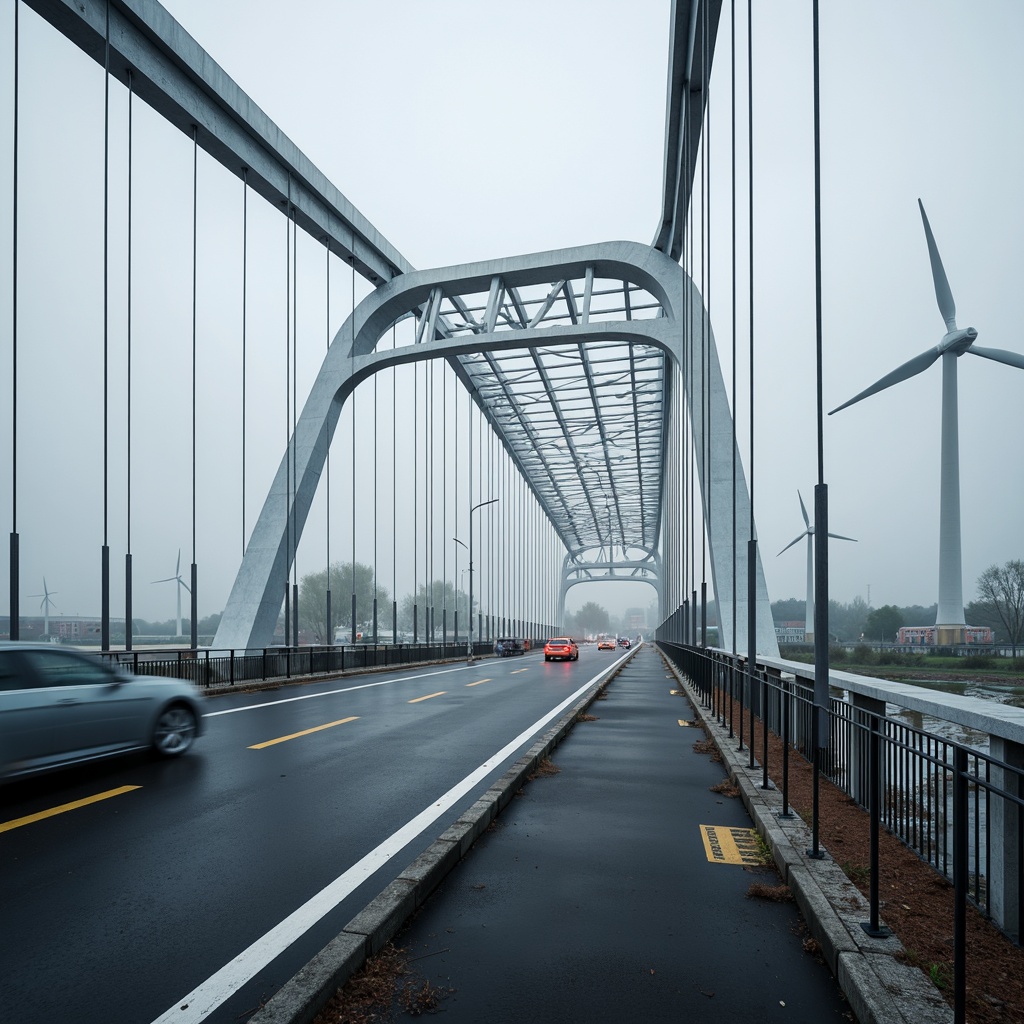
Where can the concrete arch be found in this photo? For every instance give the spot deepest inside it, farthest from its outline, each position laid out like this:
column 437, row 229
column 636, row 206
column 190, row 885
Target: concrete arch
column 254, row 603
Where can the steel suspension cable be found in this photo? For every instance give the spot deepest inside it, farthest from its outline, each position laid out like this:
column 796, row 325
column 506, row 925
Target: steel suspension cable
column 245, row 326
column 732, row 154
column 195, row 244
column 329, row 638
column 295, row 414
column 15, row 615
column 128, row 397
column 105, row 552
column 375, row 628
column 394, row 490
column 288, row 638
column 352, row 398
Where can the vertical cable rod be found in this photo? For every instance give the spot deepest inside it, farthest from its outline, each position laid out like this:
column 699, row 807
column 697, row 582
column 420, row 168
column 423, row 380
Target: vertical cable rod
column 105, row 552
column 295, row 413
column 245, row 295
column 329, row 638
column 352, row 399
column 195, row 248
column 732, row 154
column 128, row 388
column 288, row 639
column 15, row 614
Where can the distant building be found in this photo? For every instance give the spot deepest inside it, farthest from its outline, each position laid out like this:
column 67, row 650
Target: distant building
column 924, row 635
column 791, row 632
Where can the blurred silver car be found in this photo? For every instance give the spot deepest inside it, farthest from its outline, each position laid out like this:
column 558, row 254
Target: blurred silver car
column 60, row 707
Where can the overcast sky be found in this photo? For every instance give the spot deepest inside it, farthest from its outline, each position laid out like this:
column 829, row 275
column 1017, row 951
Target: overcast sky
column 465, row 131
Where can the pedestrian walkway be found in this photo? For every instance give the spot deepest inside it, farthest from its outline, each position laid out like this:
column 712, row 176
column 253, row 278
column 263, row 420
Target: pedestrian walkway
column 597, row 896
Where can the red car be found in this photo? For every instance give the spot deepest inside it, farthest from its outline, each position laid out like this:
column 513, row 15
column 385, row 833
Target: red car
column 563, row 647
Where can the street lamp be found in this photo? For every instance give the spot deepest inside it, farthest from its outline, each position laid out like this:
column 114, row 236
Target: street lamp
column 469, row 549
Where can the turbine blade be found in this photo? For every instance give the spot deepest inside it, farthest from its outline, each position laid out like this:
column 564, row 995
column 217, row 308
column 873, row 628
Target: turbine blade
column 177, row 566
column 943, row 295
column 839, row 536
column 1000, row 355
column 169, row 579
column 184, row 584
column 911, row 368
column 803, row 509
column 792, row 542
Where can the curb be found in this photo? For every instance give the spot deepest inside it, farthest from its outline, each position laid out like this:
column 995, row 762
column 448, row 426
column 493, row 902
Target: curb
column 880, row 989
column 301, row 998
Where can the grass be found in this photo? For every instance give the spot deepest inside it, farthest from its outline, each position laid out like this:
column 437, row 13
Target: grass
column 857, row 873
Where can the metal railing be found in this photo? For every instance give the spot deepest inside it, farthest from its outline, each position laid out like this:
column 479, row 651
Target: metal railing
column 216, row 668
column 960, row 809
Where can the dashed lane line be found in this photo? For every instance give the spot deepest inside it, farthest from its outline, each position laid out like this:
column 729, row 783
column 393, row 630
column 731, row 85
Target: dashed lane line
column 29, row 819
column 198, row 1004
column 305, row 732
column 429, row 696
column 478, row 682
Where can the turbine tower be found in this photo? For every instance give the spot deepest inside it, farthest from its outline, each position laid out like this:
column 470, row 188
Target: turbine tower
column 809, row 534
column 949, row 620
column 44, row 606
column 176, row 578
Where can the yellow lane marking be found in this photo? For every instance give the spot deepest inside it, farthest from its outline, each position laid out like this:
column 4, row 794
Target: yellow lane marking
column 518, row 670
column 305, row 732
column 725, row 845
column 6, row 826
column 478, row 682
column 440, row 693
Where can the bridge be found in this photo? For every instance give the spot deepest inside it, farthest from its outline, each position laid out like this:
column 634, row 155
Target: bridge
column 594, row 428
column 484, row 436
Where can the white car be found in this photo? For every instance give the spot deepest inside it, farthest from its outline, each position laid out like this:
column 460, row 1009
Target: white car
column 61, row 707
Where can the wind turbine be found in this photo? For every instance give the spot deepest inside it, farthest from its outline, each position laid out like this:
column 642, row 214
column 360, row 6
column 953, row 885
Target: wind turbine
column 949, row 618
column 176, row 578
column 44, row 606
column 809, row 534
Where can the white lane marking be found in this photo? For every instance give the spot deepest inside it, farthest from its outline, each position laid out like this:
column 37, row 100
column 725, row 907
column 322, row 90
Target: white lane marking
column 195, row 1006
column 329, row 693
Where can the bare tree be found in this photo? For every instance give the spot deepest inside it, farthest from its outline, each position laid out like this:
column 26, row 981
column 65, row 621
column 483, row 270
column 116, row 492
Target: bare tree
column 1002, row 587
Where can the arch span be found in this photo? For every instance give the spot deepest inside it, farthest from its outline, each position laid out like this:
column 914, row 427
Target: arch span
column 255, row 601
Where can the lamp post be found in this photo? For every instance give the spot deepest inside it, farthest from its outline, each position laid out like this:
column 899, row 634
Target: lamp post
column 469, row 549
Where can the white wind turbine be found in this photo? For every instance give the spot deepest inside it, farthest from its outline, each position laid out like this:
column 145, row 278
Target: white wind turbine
column 955, row 342
column 44, row 606
column 176, row 578
column 809, row 534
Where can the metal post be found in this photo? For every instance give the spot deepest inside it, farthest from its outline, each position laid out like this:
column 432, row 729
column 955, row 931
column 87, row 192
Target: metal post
column 959, row 884
column 128, row 602
column 105, row 598
column 872, row 926
column 786, row 704
column 15, row 623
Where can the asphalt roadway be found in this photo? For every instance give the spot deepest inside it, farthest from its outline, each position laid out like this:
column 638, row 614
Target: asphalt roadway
column 607, row 891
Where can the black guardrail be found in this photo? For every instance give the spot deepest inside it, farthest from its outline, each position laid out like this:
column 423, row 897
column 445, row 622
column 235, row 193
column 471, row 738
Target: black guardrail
column 215, row 668
column 958, row 808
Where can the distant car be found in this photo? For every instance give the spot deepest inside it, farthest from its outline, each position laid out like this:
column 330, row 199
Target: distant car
column 563, row 647
column 624, row 642
column 606, row 645
column 507, row 646
column 60, row 707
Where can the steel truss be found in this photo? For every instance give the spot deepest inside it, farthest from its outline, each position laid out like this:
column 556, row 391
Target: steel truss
column 568, row 354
